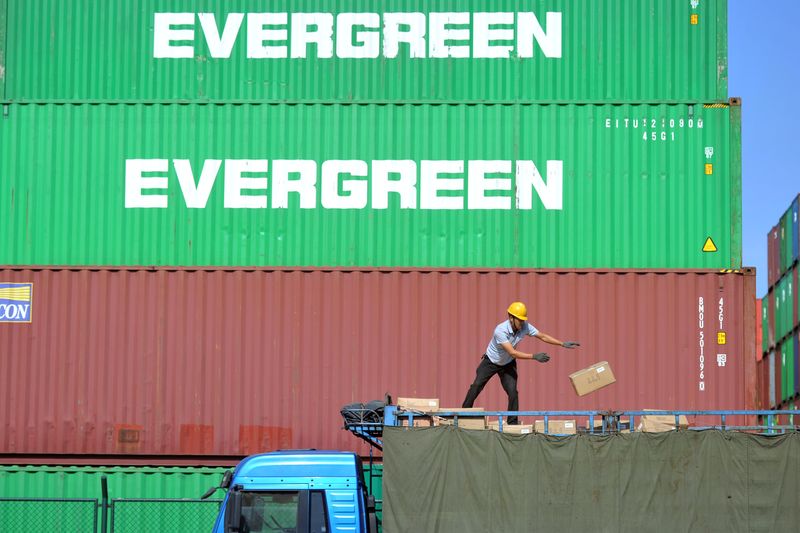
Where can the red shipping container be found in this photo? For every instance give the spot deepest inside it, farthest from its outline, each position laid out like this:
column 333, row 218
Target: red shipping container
column 796, row 297
column 774, row 255
column 759, row 330
column 766, row 404
column 760, row 384
column 778, row 376
column 192, row 365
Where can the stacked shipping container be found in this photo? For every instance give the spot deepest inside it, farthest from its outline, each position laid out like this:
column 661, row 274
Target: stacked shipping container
column 781, row 314
column 222, row 363
column 416, row 149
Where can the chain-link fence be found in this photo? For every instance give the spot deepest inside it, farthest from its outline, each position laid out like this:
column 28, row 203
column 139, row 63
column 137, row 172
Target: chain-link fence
column 54, row 515
column 142, row 515
column 63, row 515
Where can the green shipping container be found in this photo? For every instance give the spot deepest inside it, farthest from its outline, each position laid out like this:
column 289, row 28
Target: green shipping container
column 787, row 241
column 123, row 483
column 511, row 186
column 3, row 15
column 364, row 51
column 787, row 369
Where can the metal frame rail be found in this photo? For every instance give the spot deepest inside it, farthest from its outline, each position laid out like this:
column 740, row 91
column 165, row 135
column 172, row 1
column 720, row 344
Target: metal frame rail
column 611, row 422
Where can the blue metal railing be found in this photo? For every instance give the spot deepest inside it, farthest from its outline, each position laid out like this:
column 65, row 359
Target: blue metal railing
column 599, row 422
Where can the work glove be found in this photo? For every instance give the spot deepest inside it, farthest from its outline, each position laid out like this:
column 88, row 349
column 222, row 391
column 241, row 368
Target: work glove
column 570, row 344
column 541, row 357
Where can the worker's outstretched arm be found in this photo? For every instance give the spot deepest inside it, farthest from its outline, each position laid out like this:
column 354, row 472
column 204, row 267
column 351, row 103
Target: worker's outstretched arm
column 516, row 354
column 552, row 340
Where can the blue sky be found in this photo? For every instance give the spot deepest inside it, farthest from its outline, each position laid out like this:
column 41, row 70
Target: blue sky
column 764, row 69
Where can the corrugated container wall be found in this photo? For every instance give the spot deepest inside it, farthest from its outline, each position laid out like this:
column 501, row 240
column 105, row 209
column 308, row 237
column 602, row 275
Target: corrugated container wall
column 787, row 369
column 774, row 254
column 774, row 379
column 795, row 221
column 762, row 323
column 762, row 382
column 771, row 326
column 789, row 244
column 205, row 50
column 223, row 363
column 511, row 186
column 123, row 482
column 797, row 363
column 71, row 482
column 3, row 15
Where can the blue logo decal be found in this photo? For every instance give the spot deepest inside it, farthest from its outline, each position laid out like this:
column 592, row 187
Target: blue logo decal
column 16, row 302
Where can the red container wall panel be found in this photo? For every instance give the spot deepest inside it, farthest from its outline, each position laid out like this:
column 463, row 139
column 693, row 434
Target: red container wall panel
column 762, row 372
column 759, row 385
column 797, row 363
column 778, row 376
column 795, row 297
column 173, row 362
column 773, row 255
column 759, row 330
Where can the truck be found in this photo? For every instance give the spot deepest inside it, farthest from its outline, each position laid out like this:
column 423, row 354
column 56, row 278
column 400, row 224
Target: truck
column 317, row 491
column 298, row 491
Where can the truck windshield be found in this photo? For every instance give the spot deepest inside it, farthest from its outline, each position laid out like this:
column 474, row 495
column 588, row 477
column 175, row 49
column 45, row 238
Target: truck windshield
column 284, row 512
column 270, row 511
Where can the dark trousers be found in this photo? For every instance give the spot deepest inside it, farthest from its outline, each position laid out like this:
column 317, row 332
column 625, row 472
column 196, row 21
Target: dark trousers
column 508, row 378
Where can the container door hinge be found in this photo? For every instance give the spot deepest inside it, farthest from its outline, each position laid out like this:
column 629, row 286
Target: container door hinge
column 5, row 110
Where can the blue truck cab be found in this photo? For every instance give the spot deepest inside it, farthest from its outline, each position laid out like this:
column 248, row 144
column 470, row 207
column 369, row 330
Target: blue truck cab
column 304, row 491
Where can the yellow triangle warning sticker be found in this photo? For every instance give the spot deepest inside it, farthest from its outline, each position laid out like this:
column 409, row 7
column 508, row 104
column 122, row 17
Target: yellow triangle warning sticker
column 709, row 246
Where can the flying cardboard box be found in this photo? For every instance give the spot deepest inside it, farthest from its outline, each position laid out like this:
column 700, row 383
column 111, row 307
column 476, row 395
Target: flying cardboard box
column 590, row 379
column 556, row 427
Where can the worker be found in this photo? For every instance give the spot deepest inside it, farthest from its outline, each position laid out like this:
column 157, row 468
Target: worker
column 501, row 356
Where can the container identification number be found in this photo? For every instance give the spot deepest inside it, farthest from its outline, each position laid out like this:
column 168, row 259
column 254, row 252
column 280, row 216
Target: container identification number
column 655, row 129
column 701, row 343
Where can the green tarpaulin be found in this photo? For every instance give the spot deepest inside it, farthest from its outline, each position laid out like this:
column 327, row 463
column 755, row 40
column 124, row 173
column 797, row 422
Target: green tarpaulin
column 446, row 479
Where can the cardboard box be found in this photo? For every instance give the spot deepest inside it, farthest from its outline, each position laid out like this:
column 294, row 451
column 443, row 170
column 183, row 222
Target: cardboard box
column 590, row 379
column 426, row 405
column 661, row 423
column 420, row 421
column 477, row 421
column 520, row 429
column 556, row 427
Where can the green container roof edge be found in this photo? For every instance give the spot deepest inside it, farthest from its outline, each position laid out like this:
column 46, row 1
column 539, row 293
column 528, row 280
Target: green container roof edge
column 633, row 175
column 28, row 481
column 3, row 34
column 602, row 51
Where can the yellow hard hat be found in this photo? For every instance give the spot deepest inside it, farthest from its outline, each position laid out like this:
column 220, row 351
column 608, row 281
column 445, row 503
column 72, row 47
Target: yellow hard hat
column 518, row 309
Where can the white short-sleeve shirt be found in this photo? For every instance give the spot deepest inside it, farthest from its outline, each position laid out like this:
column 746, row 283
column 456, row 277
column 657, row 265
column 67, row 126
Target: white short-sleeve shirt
column 504, row 333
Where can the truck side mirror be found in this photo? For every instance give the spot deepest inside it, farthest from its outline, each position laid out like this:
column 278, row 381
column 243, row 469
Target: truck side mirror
column 224, row 484
column 226, row 479
column 233, row 511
